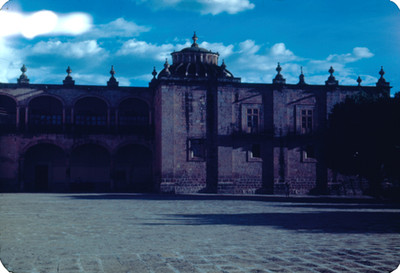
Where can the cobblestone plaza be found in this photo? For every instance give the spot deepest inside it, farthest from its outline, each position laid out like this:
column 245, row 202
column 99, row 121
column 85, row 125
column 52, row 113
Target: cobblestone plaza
column 123, row 233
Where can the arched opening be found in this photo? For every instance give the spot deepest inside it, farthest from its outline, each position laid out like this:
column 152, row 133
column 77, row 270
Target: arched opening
column 45, row 168
column 90, row 168
column 45, row 114
column 8, row 111
column 133, row 169
column 90, row 115
column 133, row 116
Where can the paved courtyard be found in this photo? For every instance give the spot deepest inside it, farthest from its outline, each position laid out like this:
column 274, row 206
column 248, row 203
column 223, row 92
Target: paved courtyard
column 120, row 233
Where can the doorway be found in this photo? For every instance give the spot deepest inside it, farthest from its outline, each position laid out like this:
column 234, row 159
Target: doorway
column 41, row 177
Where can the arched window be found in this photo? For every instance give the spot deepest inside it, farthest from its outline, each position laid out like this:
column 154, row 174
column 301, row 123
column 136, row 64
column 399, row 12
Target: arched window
column 45, row 114
column 90, row 115
column 8, row 110
column 133, row 113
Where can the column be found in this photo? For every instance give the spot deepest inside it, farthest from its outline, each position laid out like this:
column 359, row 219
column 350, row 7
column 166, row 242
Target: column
column 17, row 118
column 26, row 118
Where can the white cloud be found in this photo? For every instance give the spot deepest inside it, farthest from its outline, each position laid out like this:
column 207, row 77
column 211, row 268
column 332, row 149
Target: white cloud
column 357, row 54
column 95, row 79
column 254, row 64
column 43, row 22
column 146, row 50
column 224, row 51
column 249, row 47
column 39, row 23
column 213, row 7
column 69, row 49
column 118, row 28
column 279, row 50
column 362, row 52
column 10, row 62
column 250, row 57
column 73, row 23
column 230, row 6
column 144, row 77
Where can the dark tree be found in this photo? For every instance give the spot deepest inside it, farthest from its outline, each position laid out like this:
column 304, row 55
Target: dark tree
column 363, row 138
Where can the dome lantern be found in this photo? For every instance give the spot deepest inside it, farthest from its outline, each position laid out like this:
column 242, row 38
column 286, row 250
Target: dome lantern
column 195, row 62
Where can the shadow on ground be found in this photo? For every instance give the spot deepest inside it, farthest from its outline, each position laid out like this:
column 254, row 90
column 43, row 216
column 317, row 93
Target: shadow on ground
column 330, row 222
column 267, row 198
column 321, row 214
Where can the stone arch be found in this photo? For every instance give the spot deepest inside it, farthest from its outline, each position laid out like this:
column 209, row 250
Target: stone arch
column 133, row 114
column 8, row 113
column 45, row 168
column 45, row 113
column 93, row 141
column 81, row 97
column 91, row 114
column 141, row 99
column 133, row 168
column 60, row 99
column 90, row 168
column 25, row 148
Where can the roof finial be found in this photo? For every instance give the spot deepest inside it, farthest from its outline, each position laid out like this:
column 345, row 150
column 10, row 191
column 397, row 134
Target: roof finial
column 154, row 73
column 166, row 64
column 279, row 68
column 279, row 78
column 113, row 81
column 223, row 65
column 381, row 72
column 331, row 79
column 112, row 71
column 68, row 79
column 23, row 79
column 359, row 80
column 382, row 81
column 331, row 70
column 301, row 77
column 23, row 69
column 195, row 40
column 166, row 67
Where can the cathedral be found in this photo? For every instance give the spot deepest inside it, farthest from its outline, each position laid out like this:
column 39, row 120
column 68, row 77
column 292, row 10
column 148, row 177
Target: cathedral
column 195, row 128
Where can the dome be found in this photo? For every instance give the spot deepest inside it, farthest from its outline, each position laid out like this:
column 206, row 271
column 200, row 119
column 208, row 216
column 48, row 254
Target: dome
column 194, row 62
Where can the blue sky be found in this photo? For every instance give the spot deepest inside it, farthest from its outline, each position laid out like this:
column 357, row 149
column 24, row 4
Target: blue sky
column 356, row 37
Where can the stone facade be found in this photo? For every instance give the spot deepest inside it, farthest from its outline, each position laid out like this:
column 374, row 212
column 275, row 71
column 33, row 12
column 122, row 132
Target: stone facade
column 75, row 138
column 196, row 128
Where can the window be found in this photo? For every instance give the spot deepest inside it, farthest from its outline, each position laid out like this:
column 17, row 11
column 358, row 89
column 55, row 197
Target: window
column 254, row 153
column 255, row 150
column 308, row 154
column 44, row 118
column 90, row 114
column 196, row 149
column 306, row 121
column 45, row 113
column 251, row 118
column 90, row 120
column 133, row 112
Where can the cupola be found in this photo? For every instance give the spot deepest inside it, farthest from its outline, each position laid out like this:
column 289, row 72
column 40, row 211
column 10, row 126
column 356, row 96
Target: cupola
column 195, row 62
